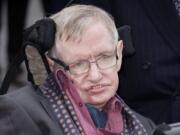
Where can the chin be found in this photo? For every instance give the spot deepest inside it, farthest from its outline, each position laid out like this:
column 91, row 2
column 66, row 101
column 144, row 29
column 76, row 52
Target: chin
column 99, row 102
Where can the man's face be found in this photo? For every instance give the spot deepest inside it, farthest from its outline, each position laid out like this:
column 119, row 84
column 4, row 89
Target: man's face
column 97, row 86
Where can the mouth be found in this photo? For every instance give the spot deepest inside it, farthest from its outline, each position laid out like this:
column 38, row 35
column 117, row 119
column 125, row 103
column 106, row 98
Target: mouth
column 97, row 89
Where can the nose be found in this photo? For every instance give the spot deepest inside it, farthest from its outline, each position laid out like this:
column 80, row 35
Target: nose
column 94, row 74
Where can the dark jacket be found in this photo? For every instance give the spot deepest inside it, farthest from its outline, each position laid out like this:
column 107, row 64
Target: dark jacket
column 149, row 79
column 27, row 112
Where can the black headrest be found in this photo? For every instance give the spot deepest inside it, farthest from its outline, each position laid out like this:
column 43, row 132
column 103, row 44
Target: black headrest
column 125, row 35
column 41, row 33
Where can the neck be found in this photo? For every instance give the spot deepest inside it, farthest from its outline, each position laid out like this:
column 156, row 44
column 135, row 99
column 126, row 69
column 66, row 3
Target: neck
column 98, row 106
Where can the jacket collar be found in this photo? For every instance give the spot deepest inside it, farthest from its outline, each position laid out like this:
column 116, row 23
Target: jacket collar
column 46, row 105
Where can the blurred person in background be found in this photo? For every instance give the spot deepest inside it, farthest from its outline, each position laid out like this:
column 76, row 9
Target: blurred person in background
column 53, row 6
column 16, row 15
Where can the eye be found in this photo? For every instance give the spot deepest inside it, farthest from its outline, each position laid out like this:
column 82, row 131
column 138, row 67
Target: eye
column 80, row 64
column 106, row 61
column 105, row 58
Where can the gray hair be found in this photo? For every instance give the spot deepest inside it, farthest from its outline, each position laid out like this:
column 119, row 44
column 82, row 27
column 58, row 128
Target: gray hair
column 71, row 22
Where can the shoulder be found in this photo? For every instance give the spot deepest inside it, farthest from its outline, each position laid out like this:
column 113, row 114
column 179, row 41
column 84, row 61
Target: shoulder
column 14, row 119
column 27, row 93
column 9, row 97
column 147, row 123
column 23, row 99
column 28, row 99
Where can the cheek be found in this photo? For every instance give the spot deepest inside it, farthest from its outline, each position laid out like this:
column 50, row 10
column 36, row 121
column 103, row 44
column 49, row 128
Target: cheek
column 115, row 80
column 111, row 77
column 78, row 82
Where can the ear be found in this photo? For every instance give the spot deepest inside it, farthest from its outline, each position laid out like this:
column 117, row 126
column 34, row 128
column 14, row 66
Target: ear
column 119, row 54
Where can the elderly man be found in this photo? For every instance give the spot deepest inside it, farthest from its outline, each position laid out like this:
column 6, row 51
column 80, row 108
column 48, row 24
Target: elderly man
column 79, row 96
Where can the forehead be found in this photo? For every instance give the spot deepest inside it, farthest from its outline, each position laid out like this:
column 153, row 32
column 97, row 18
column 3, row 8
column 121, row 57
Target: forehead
column 94, row 41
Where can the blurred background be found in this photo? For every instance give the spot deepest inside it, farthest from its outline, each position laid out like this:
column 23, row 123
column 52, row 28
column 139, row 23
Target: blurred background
column 14, row 17
column 34, row 11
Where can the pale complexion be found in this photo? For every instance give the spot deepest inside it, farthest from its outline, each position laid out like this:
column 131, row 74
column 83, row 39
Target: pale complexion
column 97, row 86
